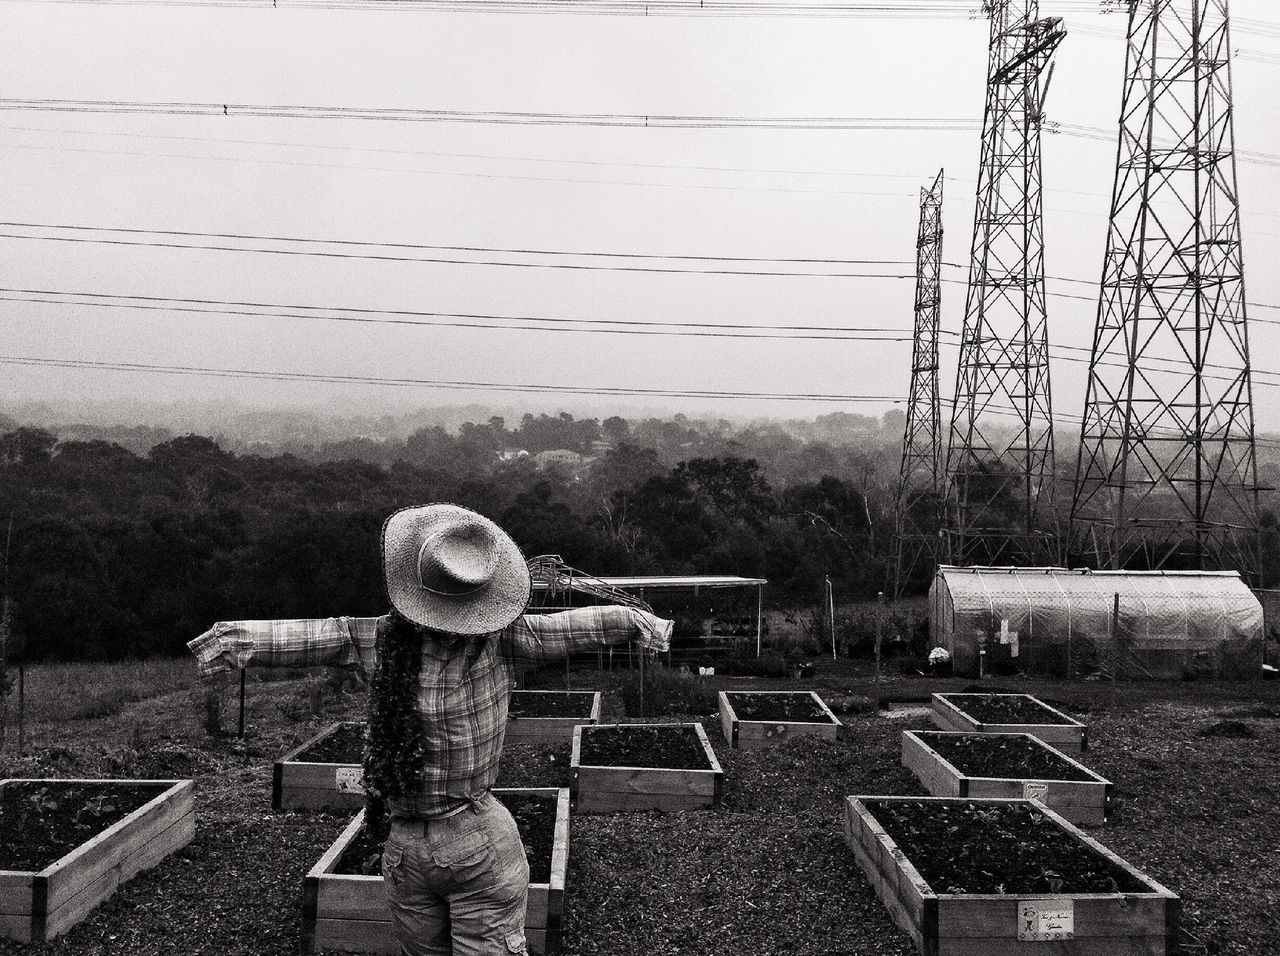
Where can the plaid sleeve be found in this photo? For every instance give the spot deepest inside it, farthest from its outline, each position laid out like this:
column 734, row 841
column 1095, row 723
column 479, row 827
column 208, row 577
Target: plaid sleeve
column 328, row 642
column 543, row 637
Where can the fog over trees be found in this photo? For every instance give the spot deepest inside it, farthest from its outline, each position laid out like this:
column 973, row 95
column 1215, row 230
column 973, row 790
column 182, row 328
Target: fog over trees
column 129, row 540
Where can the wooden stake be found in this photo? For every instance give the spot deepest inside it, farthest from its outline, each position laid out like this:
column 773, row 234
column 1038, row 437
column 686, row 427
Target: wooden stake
column 831, row 615
column 241, row 702
column 879, row 625
column 22, row 706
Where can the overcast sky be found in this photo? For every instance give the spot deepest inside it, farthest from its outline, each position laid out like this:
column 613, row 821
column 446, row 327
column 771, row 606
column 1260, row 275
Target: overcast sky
column 850, row 194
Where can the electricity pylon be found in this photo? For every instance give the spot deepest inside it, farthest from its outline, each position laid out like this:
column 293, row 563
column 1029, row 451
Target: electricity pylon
column 918, row 505
column 1167, row 473
column 1000, row 465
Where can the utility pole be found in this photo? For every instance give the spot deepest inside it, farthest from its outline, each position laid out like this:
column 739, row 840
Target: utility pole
column 1167, row 474
column 918, row 505
column 1000, row 464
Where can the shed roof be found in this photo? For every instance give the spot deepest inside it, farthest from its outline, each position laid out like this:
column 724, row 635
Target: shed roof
column 1082, row 583
column 675, row 582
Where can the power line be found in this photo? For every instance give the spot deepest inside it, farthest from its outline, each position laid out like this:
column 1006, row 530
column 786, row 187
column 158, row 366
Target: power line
column 499, row 250
column 488, row 156
column 531, row 118
column 501, row 117
column 581, row 267
column 933, row 9
column 407, row 317
column 491, row 250
column 461, row 174
column 387, row 381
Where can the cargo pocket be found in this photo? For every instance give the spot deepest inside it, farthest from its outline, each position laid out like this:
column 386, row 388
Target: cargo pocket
column 393, row 863
column 516, row 944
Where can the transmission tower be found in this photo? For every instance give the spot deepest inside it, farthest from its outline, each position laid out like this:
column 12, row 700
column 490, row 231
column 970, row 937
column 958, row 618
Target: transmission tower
column 1167, row 475
column 918, row 505
column 1000, row 465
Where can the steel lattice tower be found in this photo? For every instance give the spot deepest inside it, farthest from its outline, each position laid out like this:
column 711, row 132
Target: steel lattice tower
column 1167, row 475
column 1001, row 460
column 918, row 504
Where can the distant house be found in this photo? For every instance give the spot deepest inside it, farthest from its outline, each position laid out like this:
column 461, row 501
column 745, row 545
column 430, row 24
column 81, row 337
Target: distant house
column 511, row 454
column 563, row 459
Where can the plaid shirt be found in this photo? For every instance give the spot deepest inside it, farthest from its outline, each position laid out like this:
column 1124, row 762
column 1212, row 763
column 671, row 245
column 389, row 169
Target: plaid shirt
column 464, row 686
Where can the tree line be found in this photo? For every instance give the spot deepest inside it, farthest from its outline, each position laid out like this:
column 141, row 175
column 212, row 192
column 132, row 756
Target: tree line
column 120, row 552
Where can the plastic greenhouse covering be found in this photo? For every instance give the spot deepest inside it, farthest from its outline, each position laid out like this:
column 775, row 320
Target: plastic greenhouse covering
column 1080, row 623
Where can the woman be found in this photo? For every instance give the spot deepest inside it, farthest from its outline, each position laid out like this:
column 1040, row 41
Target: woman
column 453, row 863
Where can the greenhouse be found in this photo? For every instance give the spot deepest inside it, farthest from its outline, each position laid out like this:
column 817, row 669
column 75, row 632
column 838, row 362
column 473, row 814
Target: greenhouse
column 1164, row 625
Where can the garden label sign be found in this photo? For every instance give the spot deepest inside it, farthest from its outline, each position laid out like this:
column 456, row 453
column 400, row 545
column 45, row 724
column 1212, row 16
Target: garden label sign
column 349, row 779
column 1034, row 790
column 1046, row 920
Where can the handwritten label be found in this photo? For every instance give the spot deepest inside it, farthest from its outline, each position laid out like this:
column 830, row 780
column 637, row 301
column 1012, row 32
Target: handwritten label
column 1046, row 920
column 349, row 779
column 1034, row 790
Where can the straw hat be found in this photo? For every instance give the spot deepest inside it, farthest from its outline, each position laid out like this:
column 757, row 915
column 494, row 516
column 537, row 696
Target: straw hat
column 452, row 570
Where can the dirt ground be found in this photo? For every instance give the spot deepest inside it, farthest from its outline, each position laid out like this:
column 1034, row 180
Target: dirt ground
column 766, row 873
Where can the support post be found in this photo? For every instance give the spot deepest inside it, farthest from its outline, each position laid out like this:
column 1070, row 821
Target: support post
column 1115, row 642
column 241, row 722
column 759, row 616
column 22, row 707
column 831, row 616
column 879, row 630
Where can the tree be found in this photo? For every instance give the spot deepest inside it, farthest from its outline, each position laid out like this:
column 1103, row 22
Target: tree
column 616, row 429
column 733, row 487
column 27, row 446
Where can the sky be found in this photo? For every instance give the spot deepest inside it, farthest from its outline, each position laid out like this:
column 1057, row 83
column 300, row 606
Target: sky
column 620, row 193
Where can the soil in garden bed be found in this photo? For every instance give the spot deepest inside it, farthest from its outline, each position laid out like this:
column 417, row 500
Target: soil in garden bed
column 344, row 745
column 535, row 817
column 670, row 748
column 1005, row 756
column 534, row 703
column 42, row 821
column 1003, row 709
column 796, row 708
column 963, row 847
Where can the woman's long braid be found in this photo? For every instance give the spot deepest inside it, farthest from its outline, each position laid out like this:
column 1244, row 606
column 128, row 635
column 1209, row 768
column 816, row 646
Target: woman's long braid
column 394, row 749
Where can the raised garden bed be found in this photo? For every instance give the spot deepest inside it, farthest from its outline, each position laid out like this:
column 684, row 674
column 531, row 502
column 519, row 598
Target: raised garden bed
column 66, row 845
column 974, row 877
column 763, row 719
column 549, row 716
column 345, row 909
column 643, row 767
column 323, row 772
column 951, row 764
column 1009, row 714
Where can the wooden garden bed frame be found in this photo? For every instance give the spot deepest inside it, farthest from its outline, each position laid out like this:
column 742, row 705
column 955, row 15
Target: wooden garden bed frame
column 1082, row 802
column 978, row 924
column 598, row 789
column 746, row 734
column 36, row 906
column 1067, row 734
column 348, row 913
column 310, row 785
column 550, row 729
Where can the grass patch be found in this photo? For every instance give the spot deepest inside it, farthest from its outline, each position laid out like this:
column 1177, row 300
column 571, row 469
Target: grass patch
column 60, row 692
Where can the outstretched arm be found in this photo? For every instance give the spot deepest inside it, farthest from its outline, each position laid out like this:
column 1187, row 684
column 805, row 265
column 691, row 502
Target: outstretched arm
column 331, row 642
column 544, row 637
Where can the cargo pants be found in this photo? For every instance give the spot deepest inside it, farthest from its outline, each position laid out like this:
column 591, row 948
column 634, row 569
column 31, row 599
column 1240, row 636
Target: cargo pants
column 457, row 886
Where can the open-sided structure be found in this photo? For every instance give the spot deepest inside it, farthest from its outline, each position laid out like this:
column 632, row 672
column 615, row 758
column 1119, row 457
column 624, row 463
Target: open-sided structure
column 556, row 587
column 1130, row 624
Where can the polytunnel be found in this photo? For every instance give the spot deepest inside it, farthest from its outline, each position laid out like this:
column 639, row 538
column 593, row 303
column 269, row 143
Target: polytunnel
column 1165, row 625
